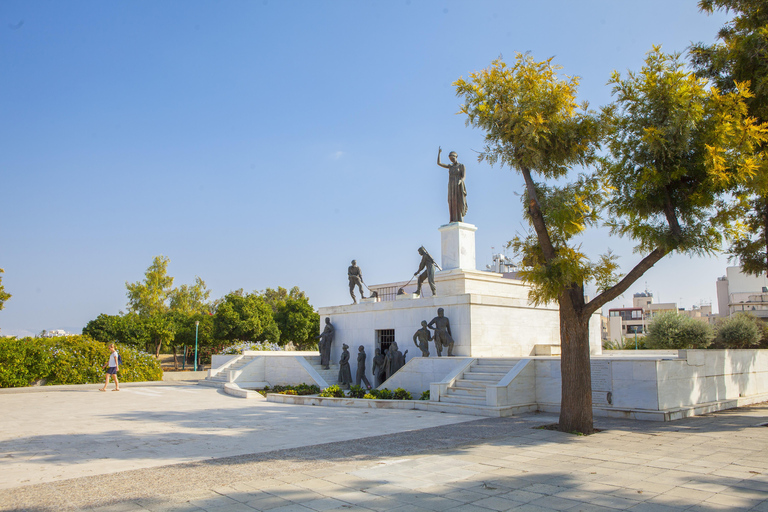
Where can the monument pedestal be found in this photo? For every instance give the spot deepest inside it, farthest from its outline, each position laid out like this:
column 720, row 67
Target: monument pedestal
column 457, row 244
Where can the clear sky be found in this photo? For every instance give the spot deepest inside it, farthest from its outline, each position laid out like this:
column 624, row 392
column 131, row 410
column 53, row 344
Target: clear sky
column 267, row 143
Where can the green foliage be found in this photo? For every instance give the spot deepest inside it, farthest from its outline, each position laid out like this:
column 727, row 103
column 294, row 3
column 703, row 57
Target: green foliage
column 739, row 331
column 401, row 394
column 678, row 148
column 68, row 360
column 530, row 116
column 533, row 123
column 333, row 391
column 370, row 395
column 298, row 323
column 674, row 331
column 356, row 391
column 628, row 343
column 190, row 299
column 245, row 317
column 739, row 61
column 4, row 296
column 106, row 328
column 382, row 394
column 299, row 389
column 149, row 297
column 295, row 317
column 424, row 395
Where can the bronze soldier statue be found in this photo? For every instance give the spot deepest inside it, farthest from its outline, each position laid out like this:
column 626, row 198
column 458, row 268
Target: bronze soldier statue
column 428, row 265
column 355, row 276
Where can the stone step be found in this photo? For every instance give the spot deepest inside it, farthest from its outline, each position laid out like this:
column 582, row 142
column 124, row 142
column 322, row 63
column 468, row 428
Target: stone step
column 468, row 400
column 491, row 368
column 479, row 410
column 465, row 383
column 466, row 391
column 484, row 377
column 211, row 383
column 498, row 360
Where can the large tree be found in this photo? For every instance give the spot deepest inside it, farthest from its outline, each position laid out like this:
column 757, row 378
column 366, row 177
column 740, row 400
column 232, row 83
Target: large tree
column 675, row 150
column 245, row 317
column 738, row 61
column 150, row 296
column 295, row 317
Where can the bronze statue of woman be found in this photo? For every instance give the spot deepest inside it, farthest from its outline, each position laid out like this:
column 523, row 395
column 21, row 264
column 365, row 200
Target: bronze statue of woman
column 457, row 191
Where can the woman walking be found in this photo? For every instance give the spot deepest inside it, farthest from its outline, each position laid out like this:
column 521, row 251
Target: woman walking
column 112, row 368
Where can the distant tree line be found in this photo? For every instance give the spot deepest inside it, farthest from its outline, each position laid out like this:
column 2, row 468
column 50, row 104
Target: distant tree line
column 161, row 316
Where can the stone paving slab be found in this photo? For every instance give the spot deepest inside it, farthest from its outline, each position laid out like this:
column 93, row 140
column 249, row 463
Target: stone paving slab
column 58, row 434
column 714, row 462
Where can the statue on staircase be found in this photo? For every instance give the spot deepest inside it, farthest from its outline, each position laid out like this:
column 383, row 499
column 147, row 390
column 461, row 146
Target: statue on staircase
column 345, row 373
column 424, row 337
column 324, row 345
column 442, row 336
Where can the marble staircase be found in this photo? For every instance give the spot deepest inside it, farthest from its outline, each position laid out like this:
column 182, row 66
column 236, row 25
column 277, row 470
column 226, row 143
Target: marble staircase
column 223, row 376
column 330, row 376
column 470, row 387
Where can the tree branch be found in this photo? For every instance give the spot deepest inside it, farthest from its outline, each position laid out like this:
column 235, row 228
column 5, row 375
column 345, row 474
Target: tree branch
column 622, row 286
column 537, row 219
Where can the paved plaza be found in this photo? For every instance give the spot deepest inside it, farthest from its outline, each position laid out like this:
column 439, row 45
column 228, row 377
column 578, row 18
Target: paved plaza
column 191, row 448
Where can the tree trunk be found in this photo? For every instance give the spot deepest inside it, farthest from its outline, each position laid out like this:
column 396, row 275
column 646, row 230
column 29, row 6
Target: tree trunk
column 575, row 371
column 765, row 229
column 175, row 360
column 158, row 344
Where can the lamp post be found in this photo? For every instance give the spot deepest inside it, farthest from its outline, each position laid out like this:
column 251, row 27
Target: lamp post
column 197, row 323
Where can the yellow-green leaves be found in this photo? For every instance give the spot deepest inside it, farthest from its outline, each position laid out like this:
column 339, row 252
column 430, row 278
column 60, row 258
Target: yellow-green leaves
column 676, row 147
column 530, row 116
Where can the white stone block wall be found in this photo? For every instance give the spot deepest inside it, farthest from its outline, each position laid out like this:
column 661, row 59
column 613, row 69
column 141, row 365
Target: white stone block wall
column 220, row 360
column 517, row 388
column 712, row 375
column 662, row 383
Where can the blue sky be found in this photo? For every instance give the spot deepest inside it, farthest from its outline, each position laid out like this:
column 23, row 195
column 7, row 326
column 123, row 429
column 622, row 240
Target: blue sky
column 267, row 143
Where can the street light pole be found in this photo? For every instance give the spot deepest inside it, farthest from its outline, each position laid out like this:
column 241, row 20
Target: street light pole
column 197, row 323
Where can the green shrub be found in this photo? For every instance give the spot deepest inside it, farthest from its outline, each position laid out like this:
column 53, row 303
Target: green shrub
column 356, row 391
column 306, row 389
column 630, row 343
column 69, row 360
column 333, row 392
column 384, row 394
column 401, row 394
column 424, row 395
column 738, row 331
column 298, row 389
column 673, row 331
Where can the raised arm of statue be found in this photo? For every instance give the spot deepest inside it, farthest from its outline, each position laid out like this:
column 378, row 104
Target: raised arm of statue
column 440, row 150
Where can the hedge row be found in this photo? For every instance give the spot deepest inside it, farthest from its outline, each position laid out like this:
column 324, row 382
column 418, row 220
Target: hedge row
column 69, row 360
